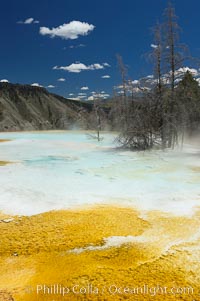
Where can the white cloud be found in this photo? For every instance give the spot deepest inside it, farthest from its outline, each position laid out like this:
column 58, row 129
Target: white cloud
column 166, row 80
column 180, row 71
column 150, row 76
column 135, row 82
column 177, row 80
column 50, row 86
column 96, row 95
column 96, row 66
column 29, row 21
column 74, row 98
column 105, row 76
column 71, row 30
column 149, row 82
column 104, row 95
column 78, row 67
column 61, row 79
column 84, row 88
column 91, row 98
column 106, row 65
column 4, row 81
column 76, row 46
column 120, row 92
column 71, row 94
column 154, row 46
column 119, row 87
column 136, row 90
column 82, row 94
column 36, row 85
column 198, row 80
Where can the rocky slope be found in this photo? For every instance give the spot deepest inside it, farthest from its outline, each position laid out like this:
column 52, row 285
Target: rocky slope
column 23, row 107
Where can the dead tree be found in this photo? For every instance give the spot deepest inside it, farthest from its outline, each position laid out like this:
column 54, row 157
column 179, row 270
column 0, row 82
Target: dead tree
column 97, row 118
column 173, row 59
column 152, row 116
column 97, row 110
column 123, row 101
column 123, row 72
column 156, row 57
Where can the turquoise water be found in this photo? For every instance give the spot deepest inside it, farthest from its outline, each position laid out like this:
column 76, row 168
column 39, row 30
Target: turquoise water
column 66, row 169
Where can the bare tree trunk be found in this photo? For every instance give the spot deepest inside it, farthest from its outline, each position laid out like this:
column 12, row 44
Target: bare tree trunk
column 172, row 55
column 123, row 72
column 98, row 118
column 157, row 58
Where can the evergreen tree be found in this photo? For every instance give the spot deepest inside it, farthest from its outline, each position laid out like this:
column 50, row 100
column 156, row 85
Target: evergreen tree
column 188, row 105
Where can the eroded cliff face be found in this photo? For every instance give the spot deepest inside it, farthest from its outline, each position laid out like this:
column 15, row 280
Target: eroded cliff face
column 23, row 107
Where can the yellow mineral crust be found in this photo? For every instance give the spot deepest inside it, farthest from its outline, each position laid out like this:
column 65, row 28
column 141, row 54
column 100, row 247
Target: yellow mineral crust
column 158, row 260
column 195, row 168
column 2, row 163
column 4, row 140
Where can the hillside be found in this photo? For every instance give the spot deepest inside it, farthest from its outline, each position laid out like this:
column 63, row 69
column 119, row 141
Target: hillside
column 24, row 107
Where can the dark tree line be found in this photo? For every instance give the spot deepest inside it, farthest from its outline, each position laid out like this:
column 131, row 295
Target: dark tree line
column 164, row 115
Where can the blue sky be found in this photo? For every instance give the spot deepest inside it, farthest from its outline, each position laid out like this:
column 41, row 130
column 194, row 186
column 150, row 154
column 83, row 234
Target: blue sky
column 30, row 48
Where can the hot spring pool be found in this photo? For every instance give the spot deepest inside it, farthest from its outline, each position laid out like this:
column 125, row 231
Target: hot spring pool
column 66, row 169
